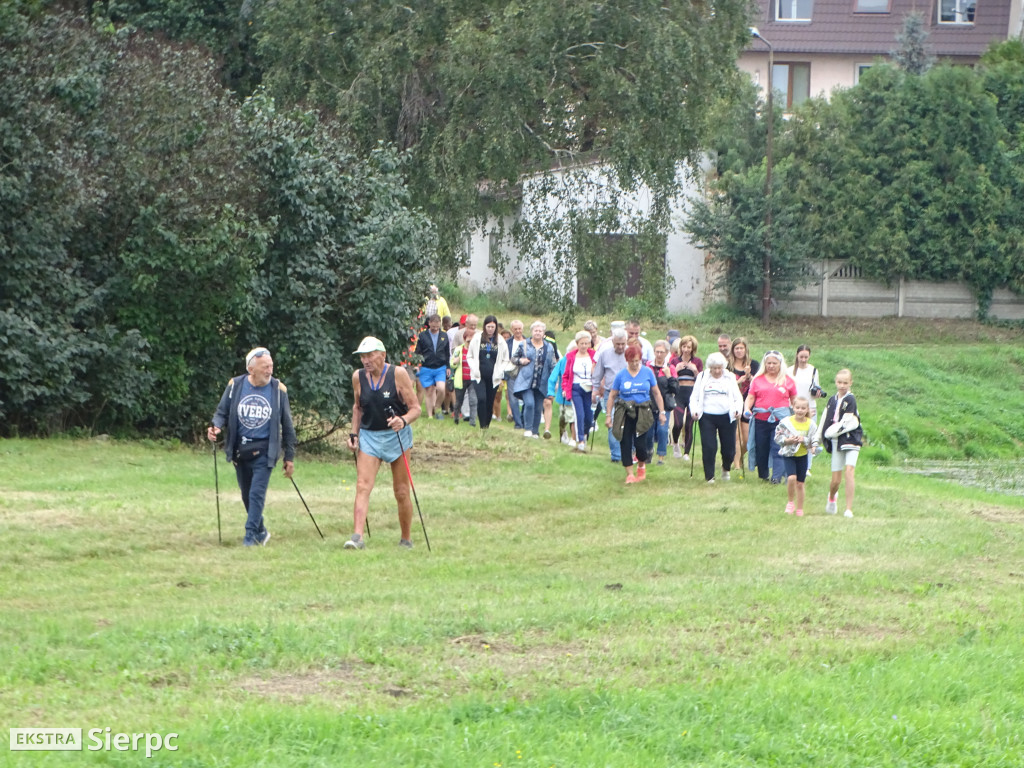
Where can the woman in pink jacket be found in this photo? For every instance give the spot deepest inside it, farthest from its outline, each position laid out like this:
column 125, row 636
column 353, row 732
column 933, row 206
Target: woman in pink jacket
column 577, row 386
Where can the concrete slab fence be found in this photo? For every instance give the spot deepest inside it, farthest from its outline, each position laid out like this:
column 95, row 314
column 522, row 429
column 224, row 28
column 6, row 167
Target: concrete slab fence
column 837, row 289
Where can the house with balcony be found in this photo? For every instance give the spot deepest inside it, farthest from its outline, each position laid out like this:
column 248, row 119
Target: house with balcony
column 821, row 45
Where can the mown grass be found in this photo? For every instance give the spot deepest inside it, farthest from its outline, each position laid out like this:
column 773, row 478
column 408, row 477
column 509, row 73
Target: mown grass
column 562, row 618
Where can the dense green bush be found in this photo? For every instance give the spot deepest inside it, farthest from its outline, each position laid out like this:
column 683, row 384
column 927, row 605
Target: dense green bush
column 155, row 229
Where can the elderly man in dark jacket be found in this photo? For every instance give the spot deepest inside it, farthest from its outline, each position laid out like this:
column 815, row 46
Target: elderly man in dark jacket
column 255, row 410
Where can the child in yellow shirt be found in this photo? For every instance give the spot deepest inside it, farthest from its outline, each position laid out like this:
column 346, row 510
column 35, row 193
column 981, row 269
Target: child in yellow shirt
column 797, row 437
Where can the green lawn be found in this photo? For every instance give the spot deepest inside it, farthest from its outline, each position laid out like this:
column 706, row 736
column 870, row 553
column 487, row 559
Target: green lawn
column 562, row 619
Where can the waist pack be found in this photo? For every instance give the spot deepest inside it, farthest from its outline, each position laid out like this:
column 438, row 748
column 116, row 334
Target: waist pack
column 253, row 449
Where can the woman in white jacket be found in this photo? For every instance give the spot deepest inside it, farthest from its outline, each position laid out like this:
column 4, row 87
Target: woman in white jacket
column 716, row 403
column 488, row 361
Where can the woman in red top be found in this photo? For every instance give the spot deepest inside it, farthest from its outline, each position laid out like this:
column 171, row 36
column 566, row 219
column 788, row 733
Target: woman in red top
column 769, row 401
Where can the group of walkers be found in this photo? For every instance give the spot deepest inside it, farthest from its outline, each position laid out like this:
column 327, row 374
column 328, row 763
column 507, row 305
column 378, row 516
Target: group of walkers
column 649, row 395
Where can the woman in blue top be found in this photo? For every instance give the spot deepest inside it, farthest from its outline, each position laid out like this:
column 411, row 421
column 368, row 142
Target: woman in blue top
column 630, row 416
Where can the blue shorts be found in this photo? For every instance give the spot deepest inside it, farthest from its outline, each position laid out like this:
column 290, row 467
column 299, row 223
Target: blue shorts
column 384, row 443
column 431, row 376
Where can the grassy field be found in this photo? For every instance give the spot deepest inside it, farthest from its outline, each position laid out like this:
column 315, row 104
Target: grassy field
column 562, row 618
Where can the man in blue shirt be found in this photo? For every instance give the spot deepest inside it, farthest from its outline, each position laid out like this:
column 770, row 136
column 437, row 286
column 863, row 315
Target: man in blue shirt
column 254, row 408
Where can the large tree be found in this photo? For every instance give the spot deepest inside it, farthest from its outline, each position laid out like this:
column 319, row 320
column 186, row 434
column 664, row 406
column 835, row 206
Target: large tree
column 482, row 92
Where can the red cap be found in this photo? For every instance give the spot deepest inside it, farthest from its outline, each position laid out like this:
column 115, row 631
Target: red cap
column 462, row 320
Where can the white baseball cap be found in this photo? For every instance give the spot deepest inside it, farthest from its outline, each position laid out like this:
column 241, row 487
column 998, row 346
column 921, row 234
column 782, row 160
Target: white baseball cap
column 370, row 344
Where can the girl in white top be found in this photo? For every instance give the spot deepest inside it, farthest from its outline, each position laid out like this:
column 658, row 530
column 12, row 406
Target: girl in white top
column 806, row 378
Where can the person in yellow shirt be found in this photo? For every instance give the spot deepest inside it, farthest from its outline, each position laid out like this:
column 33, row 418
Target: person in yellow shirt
column 797, row 438
column 436, row 304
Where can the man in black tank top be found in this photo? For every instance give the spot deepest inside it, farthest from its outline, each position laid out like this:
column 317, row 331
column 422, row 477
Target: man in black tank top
column 385, row 405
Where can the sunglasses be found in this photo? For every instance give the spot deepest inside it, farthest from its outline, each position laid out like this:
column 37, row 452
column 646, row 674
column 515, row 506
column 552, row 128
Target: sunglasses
column 258, row 353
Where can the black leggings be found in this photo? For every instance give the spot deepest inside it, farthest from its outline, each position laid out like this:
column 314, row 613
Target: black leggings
column 715, row 428
column 682, row 421
column 485, row 391
column 632, row 441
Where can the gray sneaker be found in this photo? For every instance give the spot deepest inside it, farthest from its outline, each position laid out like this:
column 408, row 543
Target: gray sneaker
column 356, row 542
column 405, row 543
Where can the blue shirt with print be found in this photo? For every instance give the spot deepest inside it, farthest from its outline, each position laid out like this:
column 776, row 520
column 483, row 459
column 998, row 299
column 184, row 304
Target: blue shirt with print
column 254, row 412
column 635, row 388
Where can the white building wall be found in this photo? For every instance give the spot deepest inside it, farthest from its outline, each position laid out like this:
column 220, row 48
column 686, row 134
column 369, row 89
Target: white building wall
column 683, row 261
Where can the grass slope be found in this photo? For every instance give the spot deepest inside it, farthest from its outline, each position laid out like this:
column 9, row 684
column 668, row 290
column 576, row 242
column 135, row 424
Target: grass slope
column 562, row 619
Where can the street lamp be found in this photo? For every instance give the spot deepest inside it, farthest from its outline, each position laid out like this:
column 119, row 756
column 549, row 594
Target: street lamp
column 766, row 284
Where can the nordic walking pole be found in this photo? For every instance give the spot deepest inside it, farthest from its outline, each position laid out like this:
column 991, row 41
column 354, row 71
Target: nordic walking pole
column 216, row 485
column 593, row 432
column 739, row 450
column 693, row 443
column 412, row 485
column 355, row 460
column 306, row 506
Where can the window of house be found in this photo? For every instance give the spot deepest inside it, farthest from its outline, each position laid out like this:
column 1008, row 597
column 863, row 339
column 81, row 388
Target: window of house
column 493, row 250
column 793, row 10
column 858, row 71
column 956, row 11
column 791, row 82
column 870, row 6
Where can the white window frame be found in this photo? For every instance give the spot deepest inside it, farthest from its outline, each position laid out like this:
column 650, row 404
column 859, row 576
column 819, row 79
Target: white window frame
column 961, row 10
column 859, row 68
column 793, row 7
column 858, row 9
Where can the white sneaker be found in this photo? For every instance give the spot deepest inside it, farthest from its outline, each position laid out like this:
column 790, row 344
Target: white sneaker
column 686, row 457
column 848, row 513
column 527, row 433
column 711, row 481
column 582, row 447
column 676, row 452
column 566, row 440
column 725, row 477
column 830, row 507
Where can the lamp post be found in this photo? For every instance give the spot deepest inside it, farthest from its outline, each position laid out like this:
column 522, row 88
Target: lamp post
column 766, row 284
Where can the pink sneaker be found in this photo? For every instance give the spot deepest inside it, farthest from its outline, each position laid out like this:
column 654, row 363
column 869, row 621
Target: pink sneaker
column 799, row 513
column 790, row 506
column 641, row 474
column 630, row 479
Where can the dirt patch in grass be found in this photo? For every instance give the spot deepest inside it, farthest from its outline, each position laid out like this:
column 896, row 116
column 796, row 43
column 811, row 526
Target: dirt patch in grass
column 44, row 518
column 994, row 514
column 467, row 663
column 433, row 453
column 346, row 682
